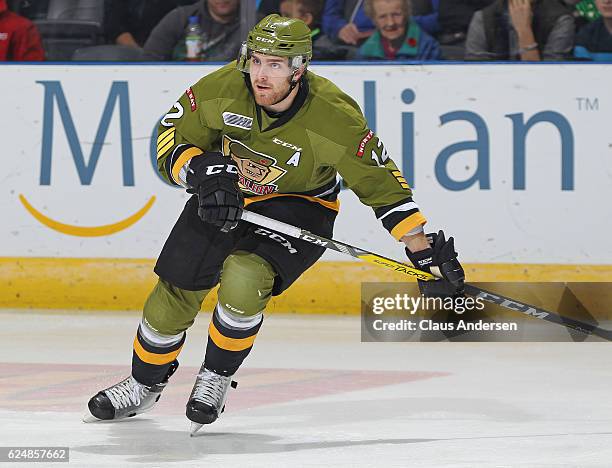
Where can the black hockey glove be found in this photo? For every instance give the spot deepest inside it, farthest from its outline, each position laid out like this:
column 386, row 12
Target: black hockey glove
column 214, row 178
column 441, row 260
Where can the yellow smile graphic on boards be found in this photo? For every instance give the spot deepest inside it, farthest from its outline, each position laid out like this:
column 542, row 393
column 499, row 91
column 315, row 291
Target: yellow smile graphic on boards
column 87, row 231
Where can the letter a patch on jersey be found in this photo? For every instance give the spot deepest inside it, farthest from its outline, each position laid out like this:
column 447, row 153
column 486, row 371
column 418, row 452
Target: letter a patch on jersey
column 295, row 159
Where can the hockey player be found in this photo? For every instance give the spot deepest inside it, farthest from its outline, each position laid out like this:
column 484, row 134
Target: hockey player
column 266, row 134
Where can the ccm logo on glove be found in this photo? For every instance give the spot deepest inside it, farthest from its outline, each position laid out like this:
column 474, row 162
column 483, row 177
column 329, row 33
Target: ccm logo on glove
column 213, row 177
column 218, row 168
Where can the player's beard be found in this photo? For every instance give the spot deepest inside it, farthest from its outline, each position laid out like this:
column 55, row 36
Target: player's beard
column 272, row 95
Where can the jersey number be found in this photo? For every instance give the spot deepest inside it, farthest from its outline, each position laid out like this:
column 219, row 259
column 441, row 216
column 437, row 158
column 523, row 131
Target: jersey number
column 173, row 115
column 381, row 159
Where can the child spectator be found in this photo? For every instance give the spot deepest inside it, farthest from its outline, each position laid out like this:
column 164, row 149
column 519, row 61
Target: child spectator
column 19, row 38
column 219, row 21
column 594, row 41
column 524, row 30
column 397, row 35
column 309, row 11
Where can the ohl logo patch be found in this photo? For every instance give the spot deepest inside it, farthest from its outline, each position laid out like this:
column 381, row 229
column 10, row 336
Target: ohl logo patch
column 257, row 171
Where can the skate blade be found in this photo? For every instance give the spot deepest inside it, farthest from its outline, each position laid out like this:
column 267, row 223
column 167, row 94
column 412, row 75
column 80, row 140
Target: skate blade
column 195, row 427
column 89, row 418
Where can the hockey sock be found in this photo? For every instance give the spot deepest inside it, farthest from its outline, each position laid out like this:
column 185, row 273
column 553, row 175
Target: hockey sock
column 153, row 354
column 230, row 340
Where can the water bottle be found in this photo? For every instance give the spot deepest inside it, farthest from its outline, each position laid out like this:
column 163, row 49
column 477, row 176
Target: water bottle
column 193, row 39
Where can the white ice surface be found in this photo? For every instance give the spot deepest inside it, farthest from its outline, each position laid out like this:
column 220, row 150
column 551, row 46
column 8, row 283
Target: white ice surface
column 460, row 405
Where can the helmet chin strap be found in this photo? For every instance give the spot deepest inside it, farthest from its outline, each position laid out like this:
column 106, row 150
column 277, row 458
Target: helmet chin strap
column 292, row 84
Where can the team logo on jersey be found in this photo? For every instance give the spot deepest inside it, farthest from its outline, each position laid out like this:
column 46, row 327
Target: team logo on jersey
column 192, row 99
column 237, row 120
column 257, row 172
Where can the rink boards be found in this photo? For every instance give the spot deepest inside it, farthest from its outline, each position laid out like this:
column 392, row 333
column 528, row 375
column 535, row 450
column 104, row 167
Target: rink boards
column 515, row 161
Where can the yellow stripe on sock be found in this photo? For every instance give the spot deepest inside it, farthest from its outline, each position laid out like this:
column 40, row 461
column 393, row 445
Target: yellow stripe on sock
column 229, row 344
column 153, row 358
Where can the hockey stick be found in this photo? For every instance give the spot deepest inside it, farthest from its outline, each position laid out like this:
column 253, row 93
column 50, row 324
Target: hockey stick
column 494, row 298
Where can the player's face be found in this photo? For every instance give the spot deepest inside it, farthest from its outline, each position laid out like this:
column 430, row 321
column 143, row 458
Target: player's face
column 604, row 7
column 389, row 18
column 270, row 78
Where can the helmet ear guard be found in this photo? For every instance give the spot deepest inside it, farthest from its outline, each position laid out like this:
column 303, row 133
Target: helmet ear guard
column 297, row 61
column 241, row 62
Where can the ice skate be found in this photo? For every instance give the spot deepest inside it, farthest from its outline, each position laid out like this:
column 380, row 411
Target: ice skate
column 125, row 399
column 207, row 400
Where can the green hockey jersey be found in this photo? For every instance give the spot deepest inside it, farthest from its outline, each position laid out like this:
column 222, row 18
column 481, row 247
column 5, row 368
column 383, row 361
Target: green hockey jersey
column 299, row 154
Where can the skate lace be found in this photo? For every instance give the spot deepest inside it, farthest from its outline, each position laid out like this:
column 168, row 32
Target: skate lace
column 126, row 393
column 210, row 388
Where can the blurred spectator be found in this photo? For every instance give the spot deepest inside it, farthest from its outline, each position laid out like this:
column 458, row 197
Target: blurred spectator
column 346, row 21
column 219, row 21
column 528, row 30
column 583, row 11
column 129, row 22
column 31, row 9
column 594, row 41
column 267, row 7
column 454, row 17
column 586, row 9
column 19, row 38
column 397, row 35
column 309, row 11
column 425, row 13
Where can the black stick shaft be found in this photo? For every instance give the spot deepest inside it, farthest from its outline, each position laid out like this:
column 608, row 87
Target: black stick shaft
column 356, row 252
